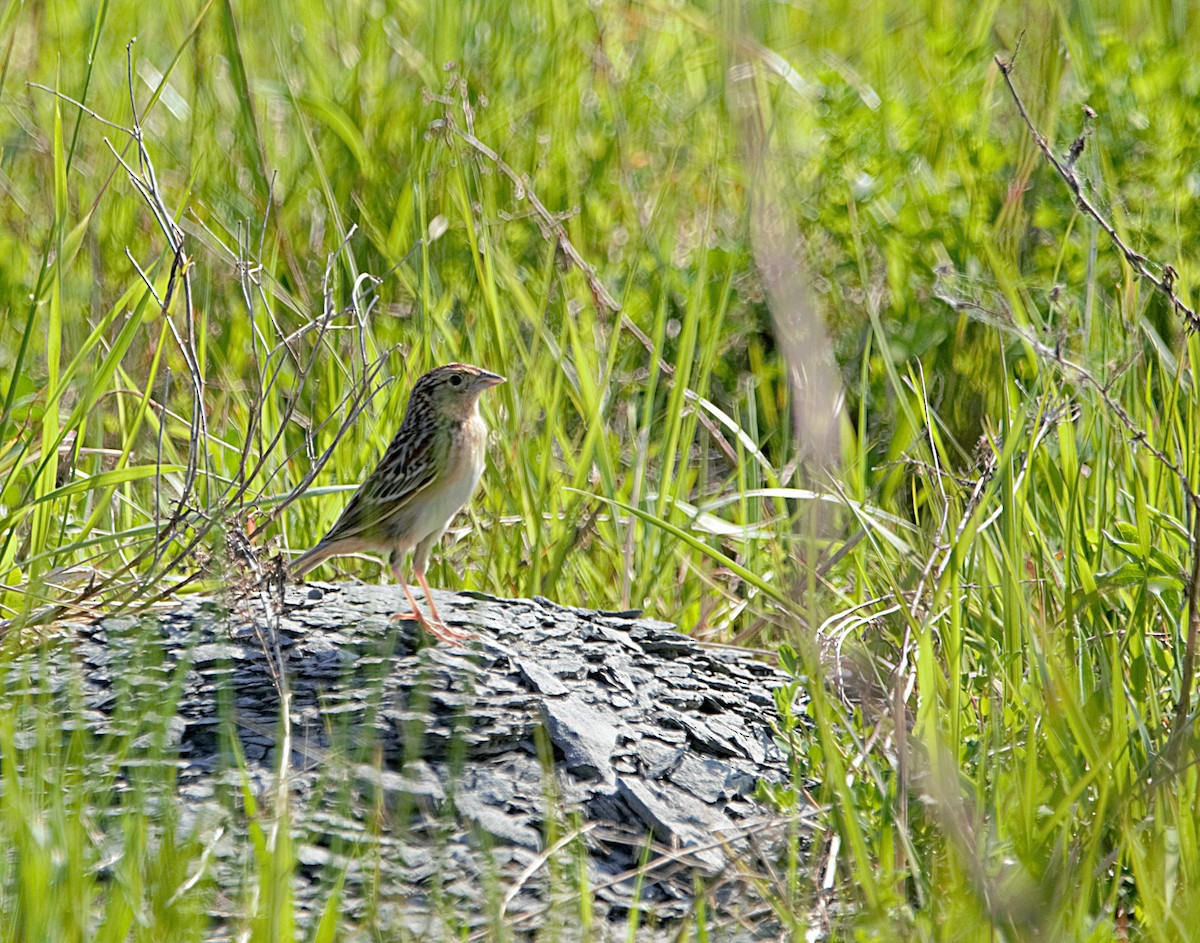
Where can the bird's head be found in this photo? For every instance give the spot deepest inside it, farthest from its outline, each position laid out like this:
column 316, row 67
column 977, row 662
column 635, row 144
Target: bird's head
column 453, row 390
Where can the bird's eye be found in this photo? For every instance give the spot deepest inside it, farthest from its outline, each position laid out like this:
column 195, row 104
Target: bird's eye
column 456, row 380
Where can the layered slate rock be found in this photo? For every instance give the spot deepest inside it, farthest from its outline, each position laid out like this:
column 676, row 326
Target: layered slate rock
column 446, row 788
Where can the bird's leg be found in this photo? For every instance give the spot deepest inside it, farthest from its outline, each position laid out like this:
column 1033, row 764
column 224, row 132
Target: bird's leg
column 450, row 635
column 413, row 614
column 435, row 626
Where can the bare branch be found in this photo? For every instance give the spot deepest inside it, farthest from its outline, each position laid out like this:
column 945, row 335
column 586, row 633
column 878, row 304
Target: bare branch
column 82, row 107
column 1066, row 171
column 552, row 224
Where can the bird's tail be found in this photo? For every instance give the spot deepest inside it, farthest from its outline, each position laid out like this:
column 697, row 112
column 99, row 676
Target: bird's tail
column 311, row 559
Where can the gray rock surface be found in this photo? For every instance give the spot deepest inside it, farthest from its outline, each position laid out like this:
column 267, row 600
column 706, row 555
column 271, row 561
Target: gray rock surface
column 447, row 787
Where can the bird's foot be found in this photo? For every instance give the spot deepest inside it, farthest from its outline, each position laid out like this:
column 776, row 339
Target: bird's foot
column 434, row 627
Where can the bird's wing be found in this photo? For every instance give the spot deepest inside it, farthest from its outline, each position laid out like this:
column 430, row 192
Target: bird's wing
column 411, row 464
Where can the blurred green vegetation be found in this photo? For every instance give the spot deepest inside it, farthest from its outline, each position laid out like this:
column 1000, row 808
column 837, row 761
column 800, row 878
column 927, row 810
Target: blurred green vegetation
column 1031, row 619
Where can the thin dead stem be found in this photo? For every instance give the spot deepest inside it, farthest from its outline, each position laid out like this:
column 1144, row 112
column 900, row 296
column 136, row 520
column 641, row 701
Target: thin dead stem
column 552, row 227
column 1165, row 281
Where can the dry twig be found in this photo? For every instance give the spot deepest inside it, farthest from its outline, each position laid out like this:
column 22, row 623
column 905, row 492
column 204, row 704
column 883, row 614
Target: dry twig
column 1166, row 281
column 551, row 225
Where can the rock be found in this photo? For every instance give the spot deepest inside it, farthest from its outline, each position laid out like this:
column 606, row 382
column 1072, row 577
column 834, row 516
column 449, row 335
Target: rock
column 708, row 779
column 541, row 680
column 420, row 774
column 679, row 819
column 584, row 735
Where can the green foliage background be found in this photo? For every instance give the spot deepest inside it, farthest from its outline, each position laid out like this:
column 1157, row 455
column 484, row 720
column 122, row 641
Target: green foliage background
column 1032, row 618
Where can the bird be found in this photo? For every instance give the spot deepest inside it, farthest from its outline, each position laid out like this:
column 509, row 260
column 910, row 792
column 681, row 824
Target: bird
column 426, row 476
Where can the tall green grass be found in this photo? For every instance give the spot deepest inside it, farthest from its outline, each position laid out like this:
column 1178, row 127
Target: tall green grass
column 991, row 611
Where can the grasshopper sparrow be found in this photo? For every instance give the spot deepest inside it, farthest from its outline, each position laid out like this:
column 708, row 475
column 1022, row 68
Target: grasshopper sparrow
column 424, row 479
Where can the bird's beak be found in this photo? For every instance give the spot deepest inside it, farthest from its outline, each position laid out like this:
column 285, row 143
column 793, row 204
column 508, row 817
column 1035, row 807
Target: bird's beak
column 488, row 380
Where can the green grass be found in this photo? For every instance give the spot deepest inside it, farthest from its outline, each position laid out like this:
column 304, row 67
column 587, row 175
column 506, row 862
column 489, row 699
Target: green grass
column 1005, row 553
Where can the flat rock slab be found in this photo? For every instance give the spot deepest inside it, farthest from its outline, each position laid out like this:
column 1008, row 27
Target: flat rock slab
column 444, row 787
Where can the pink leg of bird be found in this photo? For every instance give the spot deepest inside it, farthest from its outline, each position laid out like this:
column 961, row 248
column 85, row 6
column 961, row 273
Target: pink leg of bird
column 434, row 626
column 437, row 620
